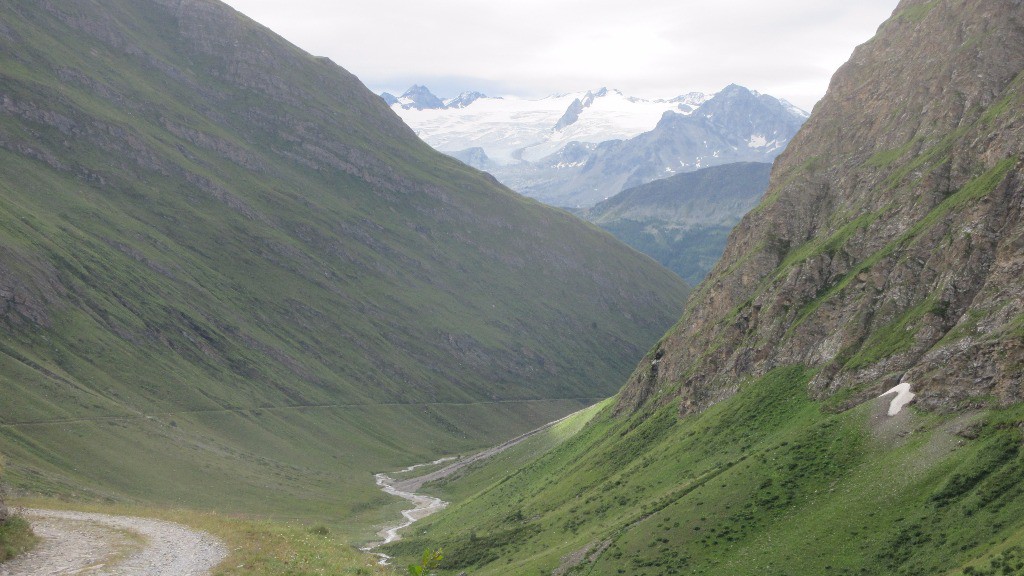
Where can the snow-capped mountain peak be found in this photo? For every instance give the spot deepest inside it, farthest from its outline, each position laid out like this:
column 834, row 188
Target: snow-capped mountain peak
column 420, row 98
column 513, row 129
column 464, row 99
column 576, row 148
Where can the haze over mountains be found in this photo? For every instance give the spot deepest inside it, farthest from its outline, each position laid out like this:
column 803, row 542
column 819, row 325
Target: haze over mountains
column 232, row 278
column 574, row 150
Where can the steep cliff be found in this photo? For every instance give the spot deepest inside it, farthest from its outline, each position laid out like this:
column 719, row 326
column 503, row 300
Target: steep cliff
column 888, row 247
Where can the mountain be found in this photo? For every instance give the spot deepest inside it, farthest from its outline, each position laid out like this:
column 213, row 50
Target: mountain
column 838, row 269
column 769, row 431
column 513, row 130
column 613, row 141
column 464, row 99
column 683, row 221
column 417, row 98
column 232, row 278
column 735, row 125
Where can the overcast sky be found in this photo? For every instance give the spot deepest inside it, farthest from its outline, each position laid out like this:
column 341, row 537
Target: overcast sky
column 647, row 48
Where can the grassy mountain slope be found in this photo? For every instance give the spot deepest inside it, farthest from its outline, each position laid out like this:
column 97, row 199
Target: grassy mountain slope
column 751, row 439
column 766, row 482
column 232, row 278
column 683, row 221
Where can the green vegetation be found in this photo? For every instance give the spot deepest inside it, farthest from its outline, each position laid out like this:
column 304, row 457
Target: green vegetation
column 785, row 180
column 683, row 221
column 431, row 559
column 15, row 533
column 830, row 245
column 232, row 279
column 886, row 158
column 894, row 338
column 690, row 253
column 765, row 482
column 15, row 537
column 1008, row 563
column 970, row 192
column 917, row 13
column 1009, row 103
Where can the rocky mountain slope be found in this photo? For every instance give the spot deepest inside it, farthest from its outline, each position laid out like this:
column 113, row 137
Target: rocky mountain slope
column 575, row 150
column 683, row 221
column 770, row 432
column 887, row 249
column 231, row 277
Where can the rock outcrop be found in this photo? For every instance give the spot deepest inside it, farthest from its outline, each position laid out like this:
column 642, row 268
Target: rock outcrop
column 890, row 245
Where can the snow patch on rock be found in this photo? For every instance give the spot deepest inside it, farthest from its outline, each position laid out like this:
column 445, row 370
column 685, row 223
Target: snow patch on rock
column 902, row 397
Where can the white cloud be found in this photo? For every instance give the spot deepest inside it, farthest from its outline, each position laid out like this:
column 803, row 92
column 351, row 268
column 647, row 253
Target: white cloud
column 786, row 48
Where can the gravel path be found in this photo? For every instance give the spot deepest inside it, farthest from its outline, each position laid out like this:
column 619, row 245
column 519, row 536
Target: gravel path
column 101, row 545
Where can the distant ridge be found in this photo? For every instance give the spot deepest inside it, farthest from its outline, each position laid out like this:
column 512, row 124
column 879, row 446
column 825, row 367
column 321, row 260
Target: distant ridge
column 683, row 221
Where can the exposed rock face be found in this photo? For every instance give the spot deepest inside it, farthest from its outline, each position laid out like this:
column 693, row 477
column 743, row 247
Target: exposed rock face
column 890, row 245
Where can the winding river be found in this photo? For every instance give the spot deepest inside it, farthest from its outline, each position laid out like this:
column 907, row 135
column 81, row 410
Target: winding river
column 423, row 506
column 426, row 505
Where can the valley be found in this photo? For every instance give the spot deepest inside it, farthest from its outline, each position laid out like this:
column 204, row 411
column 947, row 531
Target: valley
column 761, row 434
column 683, row 221
column 233, row 280
column 242, row 301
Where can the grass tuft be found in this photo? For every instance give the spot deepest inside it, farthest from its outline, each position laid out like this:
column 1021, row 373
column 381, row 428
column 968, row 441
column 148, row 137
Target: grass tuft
column 16, row 537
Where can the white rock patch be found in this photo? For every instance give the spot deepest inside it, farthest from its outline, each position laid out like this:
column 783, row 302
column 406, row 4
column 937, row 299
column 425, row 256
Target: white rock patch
column 902, row 398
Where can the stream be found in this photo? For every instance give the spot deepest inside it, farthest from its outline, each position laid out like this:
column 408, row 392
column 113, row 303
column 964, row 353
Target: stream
column 426, row 505
column 423, row 506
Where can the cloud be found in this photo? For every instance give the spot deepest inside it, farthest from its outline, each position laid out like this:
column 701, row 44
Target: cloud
column 787, row 48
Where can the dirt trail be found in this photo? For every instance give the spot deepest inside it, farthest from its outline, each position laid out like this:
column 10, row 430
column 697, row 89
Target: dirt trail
column 102, row 545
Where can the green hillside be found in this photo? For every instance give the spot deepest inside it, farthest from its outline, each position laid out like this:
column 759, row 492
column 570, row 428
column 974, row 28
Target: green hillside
column 231, row 278
column 767, row 482
column 683, row 221
column 751, row 440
